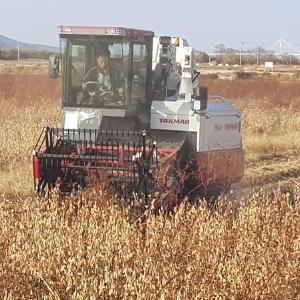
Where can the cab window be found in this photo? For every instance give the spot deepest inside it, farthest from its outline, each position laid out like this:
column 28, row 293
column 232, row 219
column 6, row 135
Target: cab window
column 139, row 73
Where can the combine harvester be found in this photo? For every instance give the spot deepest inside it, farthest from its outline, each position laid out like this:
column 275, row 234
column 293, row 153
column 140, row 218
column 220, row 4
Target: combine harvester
column 134, row 116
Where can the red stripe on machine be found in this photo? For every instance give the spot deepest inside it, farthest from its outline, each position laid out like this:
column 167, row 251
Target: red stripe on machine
column 232, row 126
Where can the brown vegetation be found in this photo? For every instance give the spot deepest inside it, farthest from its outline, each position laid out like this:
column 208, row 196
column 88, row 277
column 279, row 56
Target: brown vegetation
column 24, row 67
column 85, row 247
column 28, row 102
column 268, row 92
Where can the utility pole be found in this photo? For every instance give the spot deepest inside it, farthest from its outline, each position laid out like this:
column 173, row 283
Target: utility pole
column 241, row 49
column 257, row 56
column 18, row 51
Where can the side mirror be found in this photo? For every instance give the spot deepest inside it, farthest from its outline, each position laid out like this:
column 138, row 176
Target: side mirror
column 200, row 99
column 53, row 66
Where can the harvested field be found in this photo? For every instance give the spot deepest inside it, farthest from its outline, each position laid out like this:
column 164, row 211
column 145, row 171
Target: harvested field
column 24, row 67
column 265, row 92
column 86, row 247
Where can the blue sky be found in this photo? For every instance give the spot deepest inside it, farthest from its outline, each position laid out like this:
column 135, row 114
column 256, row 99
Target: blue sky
column 203, row 23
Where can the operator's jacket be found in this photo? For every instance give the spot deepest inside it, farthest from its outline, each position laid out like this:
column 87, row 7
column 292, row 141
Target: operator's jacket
column 113, row 83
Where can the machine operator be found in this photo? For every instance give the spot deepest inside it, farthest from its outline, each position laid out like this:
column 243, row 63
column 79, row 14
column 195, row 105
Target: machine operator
column 100, row 86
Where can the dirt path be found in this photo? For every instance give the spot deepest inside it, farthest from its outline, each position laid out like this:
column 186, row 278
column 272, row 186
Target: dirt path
column 268, row 172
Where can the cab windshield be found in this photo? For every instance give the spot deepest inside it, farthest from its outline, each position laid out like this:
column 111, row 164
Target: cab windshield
column 96, row 70
column 105, row 71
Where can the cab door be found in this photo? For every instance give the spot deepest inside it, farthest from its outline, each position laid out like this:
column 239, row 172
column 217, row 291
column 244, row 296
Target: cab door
column 139, row 76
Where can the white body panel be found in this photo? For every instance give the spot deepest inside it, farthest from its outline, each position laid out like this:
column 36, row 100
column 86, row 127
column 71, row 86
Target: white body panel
column 217, row 128
column 87, row 118
column 173, row 115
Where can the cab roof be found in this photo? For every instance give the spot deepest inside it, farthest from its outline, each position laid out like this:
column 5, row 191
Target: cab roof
column 104, row 30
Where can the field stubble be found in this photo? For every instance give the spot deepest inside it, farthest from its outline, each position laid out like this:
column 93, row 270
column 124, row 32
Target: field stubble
column 86, row 247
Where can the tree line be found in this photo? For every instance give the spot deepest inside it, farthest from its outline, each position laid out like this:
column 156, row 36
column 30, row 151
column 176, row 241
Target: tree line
column 223, row 55
column 12, row 54
column 230, row 56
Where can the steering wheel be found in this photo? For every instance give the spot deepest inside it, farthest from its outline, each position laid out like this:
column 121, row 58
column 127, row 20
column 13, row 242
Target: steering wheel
column 98, row 93
column 95, row 88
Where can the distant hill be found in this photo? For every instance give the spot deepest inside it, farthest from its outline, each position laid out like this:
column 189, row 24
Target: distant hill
column 8, row 43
